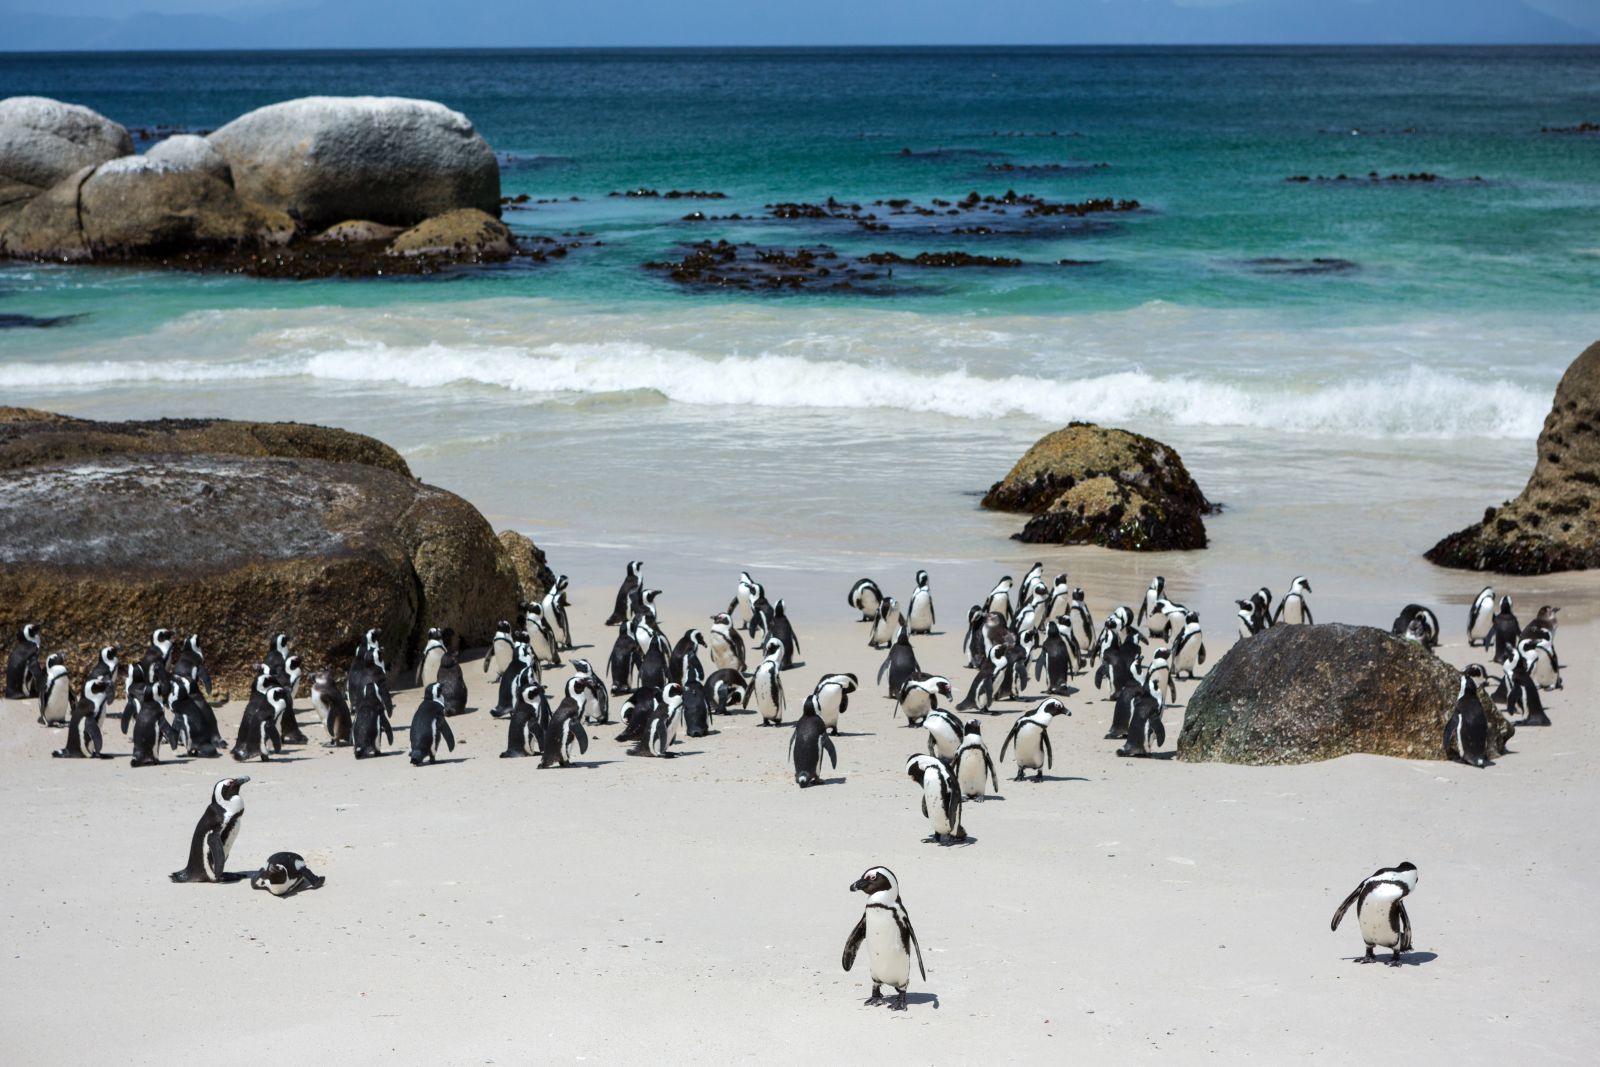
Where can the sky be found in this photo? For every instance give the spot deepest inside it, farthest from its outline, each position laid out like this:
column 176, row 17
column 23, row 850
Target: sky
column 138, row 24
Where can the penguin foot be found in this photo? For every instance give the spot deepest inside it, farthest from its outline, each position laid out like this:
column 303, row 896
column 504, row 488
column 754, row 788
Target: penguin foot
column 876, row 998
column 1394, row 960
column 1370, row 957
column 899, row 1003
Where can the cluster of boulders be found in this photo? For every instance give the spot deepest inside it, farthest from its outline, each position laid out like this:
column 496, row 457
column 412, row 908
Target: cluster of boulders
column 346, row 185
column 238, row 529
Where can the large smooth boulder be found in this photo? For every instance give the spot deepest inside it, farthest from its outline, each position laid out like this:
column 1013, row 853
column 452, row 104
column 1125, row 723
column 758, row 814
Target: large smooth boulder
column 1554, row 524
column 103, row 545
column 1087, row 485
column 188, row 151
column 1299, row 694
column 43, row 141
column 387, row 159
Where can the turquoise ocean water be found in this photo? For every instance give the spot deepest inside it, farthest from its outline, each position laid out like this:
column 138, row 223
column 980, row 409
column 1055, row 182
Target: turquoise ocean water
column 1374, row 354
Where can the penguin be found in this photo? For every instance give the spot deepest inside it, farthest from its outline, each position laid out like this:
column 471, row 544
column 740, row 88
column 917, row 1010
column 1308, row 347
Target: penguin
column 973, row 643
column 259, row 727
column 981, row 693
column 1293, row 608
column 630, row 582
column 288, row 678
column 1158, row 675
column 1152, row 596
column 1543, row 624
column 808, row 740
column 1500, row 728
column 369, row 668
column 645, row 631
column 887, row 624
column 332, row 708
column 1145, row 730
column 1261, row 601
column 900, row 663
column 55, row 696
column 1480, row 617
column 748, row 598
column 1521, row 694
column 522, row 670
column 278, row 646
column 1161, row 618
column 920, row 695
column 541, row 637
column 944, row 734
column 150, row 726
column 696, row 709
column 214, row 834
column 725, row 643
column 593, row 703
column 885, row 927
column 779, row 628
column 725, row 689
column 525, row 731
column 1031, row 733
column 1189, row 650
column 1249, row 622
column 1504, row 630
column 190, row 663
column 865, row 597
column 192, row 716
column 1058, row 658
column 369, row 722
column 1082, row 621
column 998, row 602
column 622, row 662
column 24, row 675
column 1427, row 625
column 1466, row 734
column 637, row 712
column 1543, row 666
column 555, row 603
column 428, row 727
column 919, row 611
column 1381, row 910
column 452, row 685
column 1033, row 577
column 84, row 740
column 285, row 874
column 766, row 686
column 941, row 799
column 1119, row 660
column 684, row 661
column 974, row 765
column 106, row 664
column 653, row 660
column 1122, row 710
column 495, row 661
column 662, row 725
column 563, row 729
column 833, row 698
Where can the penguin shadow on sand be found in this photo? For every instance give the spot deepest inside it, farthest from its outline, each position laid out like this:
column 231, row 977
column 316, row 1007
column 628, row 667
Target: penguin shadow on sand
column 1048, row 778
column 1411, row 958
column 946, row 841
column 930, row 999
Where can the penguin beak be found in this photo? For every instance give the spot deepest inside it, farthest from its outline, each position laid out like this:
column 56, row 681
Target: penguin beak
column 858, row 884
column 241, row 781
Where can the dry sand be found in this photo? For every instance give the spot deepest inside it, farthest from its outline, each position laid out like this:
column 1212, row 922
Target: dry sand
column 632, row 909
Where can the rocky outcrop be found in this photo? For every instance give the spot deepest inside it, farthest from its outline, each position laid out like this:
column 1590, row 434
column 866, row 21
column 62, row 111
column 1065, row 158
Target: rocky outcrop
column 1554, row 524
column 1086, row 485
column 466, row 234
column 43, row 141
column 534, row 576
column 389, row 159
column 358, row 231
column 235, row 531
column 1298, row 694
column 187, row 151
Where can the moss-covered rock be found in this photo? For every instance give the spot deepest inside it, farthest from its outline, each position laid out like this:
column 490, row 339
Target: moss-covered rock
column 1554, row 524
column 1087, row 485
column 534, row 576
column 465, row 235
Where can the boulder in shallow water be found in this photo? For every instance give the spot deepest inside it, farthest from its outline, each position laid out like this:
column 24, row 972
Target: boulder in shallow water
column 388, row 159
column 1554, row 524
column 1087, row 485
column 463, row 235
column 43, row 141
column 1299, row 694
column 187, row 151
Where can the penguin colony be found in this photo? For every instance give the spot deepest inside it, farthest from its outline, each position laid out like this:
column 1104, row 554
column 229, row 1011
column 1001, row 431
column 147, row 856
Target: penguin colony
column 1035, row 630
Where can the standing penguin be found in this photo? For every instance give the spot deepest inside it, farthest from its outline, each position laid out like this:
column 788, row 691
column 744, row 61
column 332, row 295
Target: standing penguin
column 540, row 636
column 495, row 661
column 974, row 765
column 779, row 629
column 623, row 661
column 1152, row 596
column 726, row 688
column 685, row 657
column 1031, row 732
column 725, row 644
column 452, row 685
column 919, row 612
column 190, row 663
column 1293, row 608
column 150, row 726
column 696, row 708
column 181, row 699
column 885, row 927
column 258, row 729
column 920, row 695
column 1145, row 730
column 84, row 740
column 1381, row 910
column 24, row 675
column 55, row 696
column 1466, row 734
column 630, row 583
column 886, row 625
column 944, row 735
column 1480, row 617
column 865, row 596
column 563, row 729
column 900, row 663
column 941, row 799
column 998, row 602
column 1504, row 630
column 1082, row 621
column 428, row 727
column 661, row 725
column 749, row 598
column 369, row 721
column 807, row 743
column 285, row 874
column 1189, row 650
column 1057, row 659
column 833, row 698
column 329, row 703
column 105, row 665
column 525, row 731
column 767, row 687
column 555, row 603
column 214, row 835
column 593, row 703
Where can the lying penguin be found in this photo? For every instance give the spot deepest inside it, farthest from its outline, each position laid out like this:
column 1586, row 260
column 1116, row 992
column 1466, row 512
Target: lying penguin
column 285, row 874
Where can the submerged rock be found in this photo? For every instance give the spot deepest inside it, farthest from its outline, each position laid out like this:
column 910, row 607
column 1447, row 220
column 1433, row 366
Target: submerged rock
column 1299, row 694
column 43, row 141
column 1554, row 524
column 1087, row 485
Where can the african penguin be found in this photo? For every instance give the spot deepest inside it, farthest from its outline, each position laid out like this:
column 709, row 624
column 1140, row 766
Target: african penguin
column 24, row 675
column 1381, row 910
column 214, row 835
column 1466, row 733
column 495, row 661
column 429, row 727
column 83, row 732
column 725, row 644
column 1031, row 733
column 55, row 696
column 919, row 695
column 766, row 687
column 285, row 874
column 919, row 611
column 1480, row 617
column 941, row 798
column 808, row 741
column 885, row 927
column 886, row 625
column 833, row 698
column 865, row 596
column 901, row 662
column 1293, row 608
column 331, row 707
column 630, row 582
column 974, row 765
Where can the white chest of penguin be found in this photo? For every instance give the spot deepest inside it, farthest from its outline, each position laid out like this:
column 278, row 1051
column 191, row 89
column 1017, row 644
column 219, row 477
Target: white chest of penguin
column 890, row 962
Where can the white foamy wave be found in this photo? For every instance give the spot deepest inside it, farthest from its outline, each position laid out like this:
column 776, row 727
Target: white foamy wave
column 1413, row 402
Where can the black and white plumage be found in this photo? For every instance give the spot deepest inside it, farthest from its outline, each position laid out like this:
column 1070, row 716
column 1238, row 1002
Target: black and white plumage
column 285, row 874
column 148, row 712
column 84, row 740
column 865, row 597
column 564, row 728
column 452, row 685
column 920, row 616
column 886, row 625
column 259, row 734
column 525, row 730
column 328, row 701
column 1059, row 657
column 192, row 716
column 725, row 643
column 885, row 928
column 766, row 686
column 833, row 698
column 1294, row 609
column 1082, row 621
column 214, row 834
column 429, row 727
column 1188, row 649
column 808, row 743
column 1540, row 655
column 1249, row 619
column 919, row 695
column 725, row 689
column 496, row 661
column 541, row 638
column 941, row 798
column 944, row 734
column 1152, row 596
column 1146, row 733
column 1466, row 732
column 1381, row 911
column 555, row 603
column 24, row 672
column 55, row 695
column 662, row 725
column 684, row 663
column 1522, row 695
column 1504, row 631
column 1417, row 623
column 369, row 722
column 901, row 662
column 434, row 646
column 998, row 602
column 107, row 662
column 623, row 661
column 594, row 704
column 1031, row 734
column 157, row 659
column 974, row 766
column 780, row 629
column 630, row 583
column 1480, row 617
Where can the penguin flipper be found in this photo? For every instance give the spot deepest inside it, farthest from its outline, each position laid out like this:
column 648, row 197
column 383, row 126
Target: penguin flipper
column 833, row 753
column 1338, row 916
column 216, row 856
column 128, row 713
column 1159, row 730
column 386, row 727
column 908, row 938
column 581, row 736
column 1010, row 737
column 852, row 944
column 994, row 776
column 885, row 667
column 446, row 733
column 1305, row 609
column 1401, row 922
column 792, row 735
column 1201, row 659
column 1049, row 756
column 91, row 733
